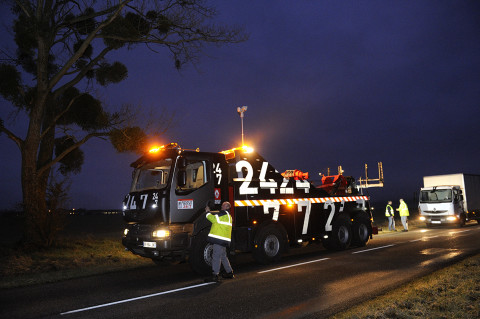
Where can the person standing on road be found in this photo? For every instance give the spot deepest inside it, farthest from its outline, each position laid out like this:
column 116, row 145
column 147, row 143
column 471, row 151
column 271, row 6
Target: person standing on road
column 389, row 212
column 403, row 210
column 220, row 236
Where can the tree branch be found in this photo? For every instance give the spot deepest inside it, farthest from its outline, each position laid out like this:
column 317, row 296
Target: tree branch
column 54, row 161
column 82, row 73
column 84, row 45
column 24, row 8
column 52, row 125
column 11, row 135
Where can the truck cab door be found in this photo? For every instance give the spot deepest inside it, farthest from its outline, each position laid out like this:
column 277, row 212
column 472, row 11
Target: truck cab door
column 192, row 188
column 458, row 204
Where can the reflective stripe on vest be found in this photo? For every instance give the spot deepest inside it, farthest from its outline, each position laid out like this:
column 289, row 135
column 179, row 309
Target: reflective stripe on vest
column 219, row 237
column 229, row 223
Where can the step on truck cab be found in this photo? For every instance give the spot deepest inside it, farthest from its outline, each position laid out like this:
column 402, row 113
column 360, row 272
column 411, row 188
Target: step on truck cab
column 165, row 208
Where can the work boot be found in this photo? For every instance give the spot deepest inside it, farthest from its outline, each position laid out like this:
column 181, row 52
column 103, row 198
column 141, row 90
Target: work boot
column 229, row 275
column 212, row 278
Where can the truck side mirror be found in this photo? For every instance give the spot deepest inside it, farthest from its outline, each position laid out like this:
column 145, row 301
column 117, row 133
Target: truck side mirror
column 182, row 162
column 182, row 178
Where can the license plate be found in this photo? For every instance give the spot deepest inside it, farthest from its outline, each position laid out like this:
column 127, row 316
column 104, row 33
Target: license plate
column 436, row 222
column 149, row 244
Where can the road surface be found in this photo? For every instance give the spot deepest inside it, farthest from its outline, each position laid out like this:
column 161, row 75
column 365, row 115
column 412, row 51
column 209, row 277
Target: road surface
column 307, row 283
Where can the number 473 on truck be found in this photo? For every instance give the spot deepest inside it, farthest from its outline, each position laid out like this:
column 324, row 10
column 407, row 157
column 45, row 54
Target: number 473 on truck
column 271, row 211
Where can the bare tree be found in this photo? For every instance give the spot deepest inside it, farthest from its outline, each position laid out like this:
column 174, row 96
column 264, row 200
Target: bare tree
column 63, row 44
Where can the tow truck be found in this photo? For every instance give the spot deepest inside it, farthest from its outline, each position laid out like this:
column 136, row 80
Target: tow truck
column 271, row 211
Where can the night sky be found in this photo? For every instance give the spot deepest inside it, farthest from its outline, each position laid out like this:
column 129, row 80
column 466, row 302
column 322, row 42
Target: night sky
column 326, row 83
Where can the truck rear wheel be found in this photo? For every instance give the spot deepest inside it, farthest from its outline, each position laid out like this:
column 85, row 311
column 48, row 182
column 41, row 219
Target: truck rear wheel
column 200, row 258
column 341, row 235
column 360, row 229
column 269, row 244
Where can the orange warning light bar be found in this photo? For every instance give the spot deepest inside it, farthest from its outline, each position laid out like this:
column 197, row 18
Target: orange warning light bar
column 229, row 154
column 295, row 174
column 247, row 149
column 157, row 149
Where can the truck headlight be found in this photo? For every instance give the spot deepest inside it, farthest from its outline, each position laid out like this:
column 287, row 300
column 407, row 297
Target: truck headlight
column 422, row 218
column 161, row 233
column 125, row 232
column 451, row 218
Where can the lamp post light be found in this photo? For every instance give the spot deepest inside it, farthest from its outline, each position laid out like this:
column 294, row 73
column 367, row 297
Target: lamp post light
column 240, row 111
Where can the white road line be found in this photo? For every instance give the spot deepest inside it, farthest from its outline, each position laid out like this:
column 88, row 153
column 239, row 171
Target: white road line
column 423, row 238
column 460, row 231
column 295, row 265
column 362, row 251
column 133, row 299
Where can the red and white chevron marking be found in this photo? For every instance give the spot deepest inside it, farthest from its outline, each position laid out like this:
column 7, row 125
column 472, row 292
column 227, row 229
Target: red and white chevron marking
column 292, row 201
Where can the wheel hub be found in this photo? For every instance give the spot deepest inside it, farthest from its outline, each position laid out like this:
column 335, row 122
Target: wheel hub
column 271, row 245
column 343, row 234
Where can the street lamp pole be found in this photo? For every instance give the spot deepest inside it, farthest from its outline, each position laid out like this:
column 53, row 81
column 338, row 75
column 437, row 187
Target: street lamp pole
column 241, row 111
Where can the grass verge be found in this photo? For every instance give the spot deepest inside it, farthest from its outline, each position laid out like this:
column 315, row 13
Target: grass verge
column 71, row 258
column 452, row 292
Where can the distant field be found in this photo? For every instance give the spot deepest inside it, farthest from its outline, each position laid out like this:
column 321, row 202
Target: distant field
column 98, row 226
column 112, row 225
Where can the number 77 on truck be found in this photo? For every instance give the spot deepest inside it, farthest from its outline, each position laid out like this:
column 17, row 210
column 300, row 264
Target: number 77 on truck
column 271, row 211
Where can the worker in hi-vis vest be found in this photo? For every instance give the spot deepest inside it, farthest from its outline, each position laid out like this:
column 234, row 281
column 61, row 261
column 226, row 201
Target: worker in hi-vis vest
column 220, row 236
column 389, row 212
column 403, row 210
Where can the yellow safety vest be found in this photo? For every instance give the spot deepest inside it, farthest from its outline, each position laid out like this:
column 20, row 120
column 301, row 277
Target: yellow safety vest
column 221, row 231
column 389, row 211
column 403, row 209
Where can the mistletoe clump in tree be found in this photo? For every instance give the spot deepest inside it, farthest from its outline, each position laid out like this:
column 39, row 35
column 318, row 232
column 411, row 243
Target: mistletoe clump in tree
column 61, row 53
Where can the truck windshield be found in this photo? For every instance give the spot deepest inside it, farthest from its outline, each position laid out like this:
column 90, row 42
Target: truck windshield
column 152, row 175
column 436, row 196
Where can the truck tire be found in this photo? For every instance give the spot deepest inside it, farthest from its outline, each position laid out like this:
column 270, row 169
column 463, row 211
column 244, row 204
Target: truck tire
column 269, row 244
column 361, row 230
column 200, row 257
column 341, row 235
column 462, row 221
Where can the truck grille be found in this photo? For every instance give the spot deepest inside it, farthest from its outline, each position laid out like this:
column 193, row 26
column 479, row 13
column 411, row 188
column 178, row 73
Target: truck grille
column 139, row 230
column 435, row 211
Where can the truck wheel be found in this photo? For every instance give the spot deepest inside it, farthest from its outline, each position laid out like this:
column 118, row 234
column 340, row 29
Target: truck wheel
column 200, row 257
column 341, row 235
column 462, row 221
column 269, row 244
column 360, row 228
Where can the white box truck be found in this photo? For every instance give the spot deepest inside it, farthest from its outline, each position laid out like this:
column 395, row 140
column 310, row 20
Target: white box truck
column 450, row 199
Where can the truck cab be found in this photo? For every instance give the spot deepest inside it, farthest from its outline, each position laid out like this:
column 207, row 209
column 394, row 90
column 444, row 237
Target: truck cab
column 169, row 190
column 442, row 205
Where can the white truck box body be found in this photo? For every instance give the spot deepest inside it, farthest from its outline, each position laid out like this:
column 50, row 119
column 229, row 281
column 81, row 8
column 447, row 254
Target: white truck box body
column 438, row 213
